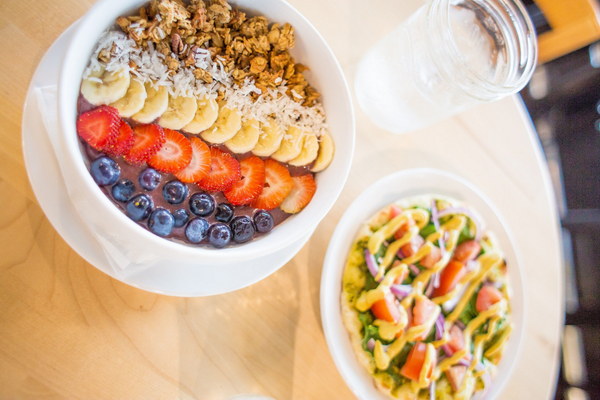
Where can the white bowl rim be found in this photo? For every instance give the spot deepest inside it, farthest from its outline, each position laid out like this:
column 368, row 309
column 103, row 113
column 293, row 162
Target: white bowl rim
column 337, row 338
column 257, row 247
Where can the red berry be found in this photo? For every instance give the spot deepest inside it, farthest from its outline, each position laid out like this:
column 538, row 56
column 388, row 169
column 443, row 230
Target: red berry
column 199, row 166
column 278, row 184
column 174, row 155
column 300, row 195
column 98, row 126
column 250, row 185
column 147, row 139
column 224, row 171
column 121, row 144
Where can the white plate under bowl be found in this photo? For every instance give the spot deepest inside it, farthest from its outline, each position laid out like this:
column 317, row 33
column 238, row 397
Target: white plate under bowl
column 51, row 193
column 393, row 187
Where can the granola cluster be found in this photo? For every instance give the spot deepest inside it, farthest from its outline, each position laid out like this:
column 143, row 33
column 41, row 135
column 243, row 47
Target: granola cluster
column 247, row 47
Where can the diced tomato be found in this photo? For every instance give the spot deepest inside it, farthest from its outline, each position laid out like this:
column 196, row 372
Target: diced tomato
column 403, row 229
column 414, row 363
column 386, row 309
column 449, row 278
column 395, row 211
column 457, row 339
column 456, row 375
column 421, row 314
column 430, row 259
column 410, row 248
column 487, row 296
column 467, row 251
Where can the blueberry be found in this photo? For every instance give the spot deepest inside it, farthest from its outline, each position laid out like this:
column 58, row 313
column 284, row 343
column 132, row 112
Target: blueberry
column 149, row 179
column 219, row 235
column 242, row 228
column 263, row 221
column 139, row 207
column 202, row 204
column 105, row 171
column 123, row 190
column 224, row 212
column 174, row 192
column 161, row 222
column 181, row 217
column 196, row 230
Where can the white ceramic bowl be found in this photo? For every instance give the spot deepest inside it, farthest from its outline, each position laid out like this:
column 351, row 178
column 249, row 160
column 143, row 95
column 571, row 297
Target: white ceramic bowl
column 130, row 245
column 389, row 189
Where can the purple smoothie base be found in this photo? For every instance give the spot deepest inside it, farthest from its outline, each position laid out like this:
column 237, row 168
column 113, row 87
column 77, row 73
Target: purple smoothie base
column 132, row 173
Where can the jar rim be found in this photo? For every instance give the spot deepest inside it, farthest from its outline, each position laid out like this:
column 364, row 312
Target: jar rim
column 519, row 34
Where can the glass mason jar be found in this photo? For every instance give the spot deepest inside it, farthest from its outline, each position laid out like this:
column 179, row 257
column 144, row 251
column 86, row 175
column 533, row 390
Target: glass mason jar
column 449, row 55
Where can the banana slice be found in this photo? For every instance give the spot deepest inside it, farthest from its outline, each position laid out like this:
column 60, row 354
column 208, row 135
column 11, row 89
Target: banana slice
column 269, row 139
column 157, row 101
column 310, row 149
column 326, row 150
column 246, row 138
column 180, row 112
column 103, row 87
column 206, row 115
column 291, row 145
column 228, row 123
column 133, row 101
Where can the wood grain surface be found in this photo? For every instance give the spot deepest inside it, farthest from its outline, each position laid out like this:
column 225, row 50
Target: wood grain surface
column 68, row 331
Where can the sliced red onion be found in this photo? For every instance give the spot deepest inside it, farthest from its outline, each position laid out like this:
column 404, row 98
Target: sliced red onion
column 429, row 290
column 460, row 324
column 464, row 362
column 371, row 264
column 468, row 213
column 436, row 222
column 471, row 265
column 371, row 344
column 401, row 291
column 439, row 327
column 414, row 269
column 447, row 350
column 400, row 253
column 432, row 391
column 436, row 279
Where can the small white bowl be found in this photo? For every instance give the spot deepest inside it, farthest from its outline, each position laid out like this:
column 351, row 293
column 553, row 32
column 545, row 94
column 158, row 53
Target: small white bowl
column 404, row 184
column 130, row 245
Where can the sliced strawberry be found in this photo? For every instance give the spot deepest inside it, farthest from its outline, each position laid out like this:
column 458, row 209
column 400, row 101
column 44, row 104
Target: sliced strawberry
column 278, row 184
column 300, row 195
column 99, row 126
column 224, row 171
column 147, row 139
column 199, row 166
column 122, row 142
column 250, row 185
column 174, row 155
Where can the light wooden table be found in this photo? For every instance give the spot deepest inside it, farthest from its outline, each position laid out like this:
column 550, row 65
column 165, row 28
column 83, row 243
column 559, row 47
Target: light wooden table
column 68, row 331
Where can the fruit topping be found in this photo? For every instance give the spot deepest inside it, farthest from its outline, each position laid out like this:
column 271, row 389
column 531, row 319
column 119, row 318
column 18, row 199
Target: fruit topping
column 105, row 87
column 196, row 230
column 325, row 155
column 139, row 207
column 219, row 235
column 175, row 192
column 149, row 179
column 147, row 139
column 202, row 204
column 99, row 126
column 174, row 155
column 278, row 184
column 224, row 171
column 105, row 171
column 300, row 195
column 123, row 190
column 199, row 165
column 161, row 222
column 224, row 212
column 122, row 142
column 263, row 220
column 245, row 190
column 242, row 228
column 181, row 216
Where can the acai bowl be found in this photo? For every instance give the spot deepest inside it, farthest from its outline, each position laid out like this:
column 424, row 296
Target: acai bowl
column 130, row 243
